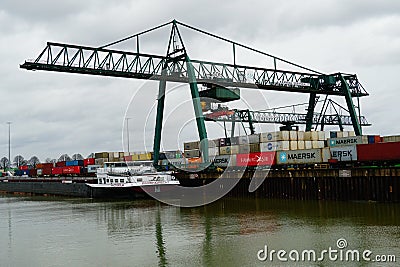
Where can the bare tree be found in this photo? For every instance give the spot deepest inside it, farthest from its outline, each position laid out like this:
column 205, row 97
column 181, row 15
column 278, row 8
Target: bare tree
column 33, row 161
column 4, row 163
column 19, row 161
column 77, row 157
column 49, row 160
column 64, row 157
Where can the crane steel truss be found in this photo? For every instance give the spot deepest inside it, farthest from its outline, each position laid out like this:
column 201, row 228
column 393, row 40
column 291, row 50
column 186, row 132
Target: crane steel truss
column 176, row 66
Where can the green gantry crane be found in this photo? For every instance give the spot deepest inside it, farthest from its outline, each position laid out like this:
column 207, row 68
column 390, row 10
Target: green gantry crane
column 176, row 66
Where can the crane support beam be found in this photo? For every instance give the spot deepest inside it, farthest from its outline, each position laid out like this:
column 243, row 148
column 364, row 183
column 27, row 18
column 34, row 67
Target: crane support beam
column 350, row 106
column 107, row 62
column 201, row 127
column 159, row 121
column 310, row 111
column 274, row 117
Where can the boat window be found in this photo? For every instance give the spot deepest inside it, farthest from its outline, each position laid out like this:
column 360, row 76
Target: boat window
column 139, row 179
column 121, row 180
column 108, row 180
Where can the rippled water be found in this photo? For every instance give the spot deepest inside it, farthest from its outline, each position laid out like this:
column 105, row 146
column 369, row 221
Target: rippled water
column 38, row 231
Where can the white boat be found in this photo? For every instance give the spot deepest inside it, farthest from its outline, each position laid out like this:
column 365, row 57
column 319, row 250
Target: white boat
column 136, row 175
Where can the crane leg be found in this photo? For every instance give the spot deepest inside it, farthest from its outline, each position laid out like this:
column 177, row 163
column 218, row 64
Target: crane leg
column 350, row 105
column 310, row 111
column 201, row 128
column 159, row 120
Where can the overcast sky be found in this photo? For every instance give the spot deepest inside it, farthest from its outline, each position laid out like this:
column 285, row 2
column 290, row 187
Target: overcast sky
column 56, row 113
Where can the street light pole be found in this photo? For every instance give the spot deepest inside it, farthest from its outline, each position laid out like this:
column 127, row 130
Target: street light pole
column 9, row 142
column 127, row 131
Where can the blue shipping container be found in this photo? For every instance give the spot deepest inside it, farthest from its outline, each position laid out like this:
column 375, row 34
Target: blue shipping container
column 371, row 139
column 74, row 163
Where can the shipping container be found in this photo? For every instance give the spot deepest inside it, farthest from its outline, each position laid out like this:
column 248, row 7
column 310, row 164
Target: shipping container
column 57, row 170
column 255, row 159
column 393, row 138
column 228, row 150
column 46, row 171
column 146, row 156
column 192, row 153
column 213, row 151
column 306, row 156
column 224, row 160
column 100, row 161
column 293, row 135
column 46, row 165
column 344, row 153
column 379, row 152
column 326, row 154
column 89, row 161
column 60, row 164
column 300, row 145
column 191, row 145
column 249, row 139
column 194, row 160
column 92, row 168
column 300, row 135
column 32, row 173
column 308, row 145
column 127, row 158
column 234, row 141
column 74, row 163
column 293, row 145
column 101, row 155
column 226, row 141
column 318, row 144
column 75, row 170
column 345, row 141
column 274, row 146
column 39, row 172
column 274, row 136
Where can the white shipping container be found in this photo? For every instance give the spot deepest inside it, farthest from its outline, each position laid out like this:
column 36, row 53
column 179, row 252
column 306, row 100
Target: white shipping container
column 274, row 146
column 318, row 144
column 306, row 156
column 293, row 145
column 274, row 136
column 249, row 139
column 339, row 134
column 213, row 151
column 345, row 141
column 92, row 168
column 345, row 134
column 311, row 136
column 344, row 153
column 326, row 154
column 321, row 135
column 352, row 133
column 300, row 135
column 307, row 144
column 300, row 145
column 293, row 135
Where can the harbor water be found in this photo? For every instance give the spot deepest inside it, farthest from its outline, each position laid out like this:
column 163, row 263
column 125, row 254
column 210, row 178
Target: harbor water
column 55, row 231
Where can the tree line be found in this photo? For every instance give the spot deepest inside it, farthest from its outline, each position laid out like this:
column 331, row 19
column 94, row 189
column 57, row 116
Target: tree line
column 34, row 160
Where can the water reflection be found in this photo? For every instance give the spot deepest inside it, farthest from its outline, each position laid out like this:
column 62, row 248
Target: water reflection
column 160, row 241
column 225, row 233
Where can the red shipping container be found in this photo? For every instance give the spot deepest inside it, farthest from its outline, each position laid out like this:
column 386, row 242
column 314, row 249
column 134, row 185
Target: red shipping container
column 71, row 170
column 256, row 159
column 128, row 158
column 379, row 151
column 56, row 170
column 89, row 161
column 33, row 173
column 23, row 168
column 47, row 165
column 39, row 166
column 47, row 171
column 60, row 164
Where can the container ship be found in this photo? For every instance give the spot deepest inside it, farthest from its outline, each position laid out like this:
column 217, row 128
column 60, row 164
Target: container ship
column 297, row 164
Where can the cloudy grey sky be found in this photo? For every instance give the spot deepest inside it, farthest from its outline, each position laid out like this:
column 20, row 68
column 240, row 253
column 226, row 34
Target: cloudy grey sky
column 56, row 113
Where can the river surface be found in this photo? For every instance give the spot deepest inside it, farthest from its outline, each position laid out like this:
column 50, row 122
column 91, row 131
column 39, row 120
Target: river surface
column 49, row 231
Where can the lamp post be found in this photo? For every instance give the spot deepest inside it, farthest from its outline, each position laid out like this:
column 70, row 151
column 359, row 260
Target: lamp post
column 9, row 142
column 127, row 131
